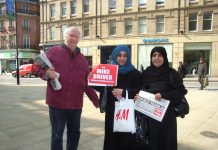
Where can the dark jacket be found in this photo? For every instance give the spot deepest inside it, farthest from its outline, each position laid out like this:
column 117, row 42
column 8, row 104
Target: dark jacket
column 202, row 69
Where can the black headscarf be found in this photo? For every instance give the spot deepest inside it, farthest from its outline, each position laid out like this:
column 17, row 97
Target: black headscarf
column 158, row 73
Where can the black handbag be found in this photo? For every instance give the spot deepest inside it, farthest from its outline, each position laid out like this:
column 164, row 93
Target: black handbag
column 138, row 139
column 182, row 108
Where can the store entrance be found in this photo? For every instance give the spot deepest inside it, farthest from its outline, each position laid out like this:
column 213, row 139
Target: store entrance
column 192, row 57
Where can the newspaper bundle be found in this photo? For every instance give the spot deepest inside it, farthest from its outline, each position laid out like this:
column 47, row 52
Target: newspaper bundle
column 43, row 61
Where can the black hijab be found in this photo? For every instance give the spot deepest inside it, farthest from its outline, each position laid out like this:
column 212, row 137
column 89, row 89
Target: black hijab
column 158, row 73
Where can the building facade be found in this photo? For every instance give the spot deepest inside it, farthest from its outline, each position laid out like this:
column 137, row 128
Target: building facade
column 188, row 29
column 19, row 34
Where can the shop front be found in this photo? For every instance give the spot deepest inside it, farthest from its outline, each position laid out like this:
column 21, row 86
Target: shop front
column 8, row 58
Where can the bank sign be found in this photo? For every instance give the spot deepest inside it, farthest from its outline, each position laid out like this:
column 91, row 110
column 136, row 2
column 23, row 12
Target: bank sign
column 155, row 40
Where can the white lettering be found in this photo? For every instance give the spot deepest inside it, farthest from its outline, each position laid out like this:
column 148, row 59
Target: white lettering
column 102, row 77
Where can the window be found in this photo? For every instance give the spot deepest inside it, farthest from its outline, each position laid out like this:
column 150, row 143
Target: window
column 85, row 6
column 128, row 26
column 3, row 41
column 142, row 22
column 73, row 7
column 2, row 10
column 26, row 24
column 63, row 9
column 160, row 24
column 112, row 27
column 193, row 1
column 52, row 33
column 11, row 23
column 85, row 29
column 63, row 27
column 2, row 24
column 142, row 3
column 128, row 3
column 193, row 21
column 25, row 8
column 207, row 21
column 112, row 4
column 12, row 41
column 52, row 10
column 160, row 2
column 26, row 41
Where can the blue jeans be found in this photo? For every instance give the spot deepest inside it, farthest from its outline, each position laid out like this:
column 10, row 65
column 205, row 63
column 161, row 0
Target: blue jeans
column 59, row 118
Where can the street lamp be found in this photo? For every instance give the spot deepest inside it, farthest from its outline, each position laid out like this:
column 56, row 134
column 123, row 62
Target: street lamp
column 17, row 52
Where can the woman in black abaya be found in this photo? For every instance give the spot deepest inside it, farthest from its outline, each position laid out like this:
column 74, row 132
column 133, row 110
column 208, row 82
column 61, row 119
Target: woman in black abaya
column 156, row 80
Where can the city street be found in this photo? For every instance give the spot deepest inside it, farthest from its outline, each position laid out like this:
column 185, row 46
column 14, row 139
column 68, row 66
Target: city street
column 24, row 120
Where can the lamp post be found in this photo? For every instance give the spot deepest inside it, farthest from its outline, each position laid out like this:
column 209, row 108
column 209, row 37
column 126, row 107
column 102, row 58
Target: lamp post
column 17, row 52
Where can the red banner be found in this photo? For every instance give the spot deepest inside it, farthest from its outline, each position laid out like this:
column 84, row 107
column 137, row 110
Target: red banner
column 103, row 75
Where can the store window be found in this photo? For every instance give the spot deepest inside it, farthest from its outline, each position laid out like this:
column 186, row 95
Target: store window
column 193, row 21
column 144, row 52
column 192, row 54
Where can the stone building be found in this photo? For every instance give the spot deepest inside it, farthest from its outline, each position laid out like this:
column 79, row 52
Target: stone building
column 188, row 29
column 20, row 33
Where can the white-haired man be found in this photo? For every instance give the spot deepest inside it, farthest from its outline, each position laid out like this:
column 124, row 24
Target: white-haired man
column 65, row 105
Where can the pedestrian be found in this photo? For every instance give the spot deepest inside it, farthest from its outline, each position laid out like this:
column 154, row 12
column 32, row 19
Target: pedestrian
column 202, row 71
column 155, row 79
column 3, row 70
column 128, row 79
column 65, row 105
column 182, row 70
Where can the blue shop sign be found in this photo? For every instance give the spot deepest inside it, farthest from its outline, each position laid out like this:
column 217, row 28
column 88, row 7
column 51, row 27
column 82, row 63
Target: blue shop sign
column 155, row 40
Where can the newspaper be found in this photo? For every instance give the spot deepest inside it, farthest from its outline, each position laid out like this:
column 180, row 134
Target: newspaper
column 147, row 105
column 43, row 61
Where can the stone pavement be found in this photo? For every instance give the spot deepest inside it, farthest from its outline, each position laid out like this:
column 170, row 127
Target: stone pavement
column 24, row 122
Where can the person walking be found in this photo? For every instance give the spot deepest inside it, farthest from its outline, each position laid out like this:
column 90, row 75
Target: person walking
column 65, row 105
column 156, row 79
column 3, row 70
column 182, row 70
column 202, row 71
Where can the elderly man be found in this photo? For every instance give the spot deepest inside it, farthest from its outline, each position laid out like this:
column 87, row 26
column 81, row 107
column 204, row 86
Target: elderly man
column 65, row 105
column 202, row 71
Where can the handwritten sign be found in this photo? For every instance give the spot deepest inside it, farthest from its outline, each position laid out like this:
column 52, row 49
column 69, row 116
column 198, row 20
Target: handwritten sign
column 103, row 75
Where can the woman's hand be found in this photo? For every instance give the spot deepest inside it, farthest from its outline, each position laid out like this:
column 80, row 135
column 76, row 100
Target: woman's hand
column 117, row 92
column 157, row 96
column 136, row 97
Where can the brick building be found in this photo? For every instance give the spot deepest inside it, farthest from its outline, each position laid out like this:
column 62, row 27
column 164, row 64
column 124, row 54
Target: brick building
column 188, row 29
column 23, row 33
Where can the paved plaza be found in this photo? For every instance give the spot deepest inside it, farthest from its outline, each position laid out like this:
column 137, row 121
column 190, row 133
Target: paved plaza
column 24, row 120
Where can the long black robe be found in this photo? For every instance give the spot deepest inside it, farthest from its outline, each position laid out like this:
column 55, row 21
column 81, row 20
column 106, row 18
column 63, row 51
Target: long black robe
column 163, row 135
column 130, row 81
